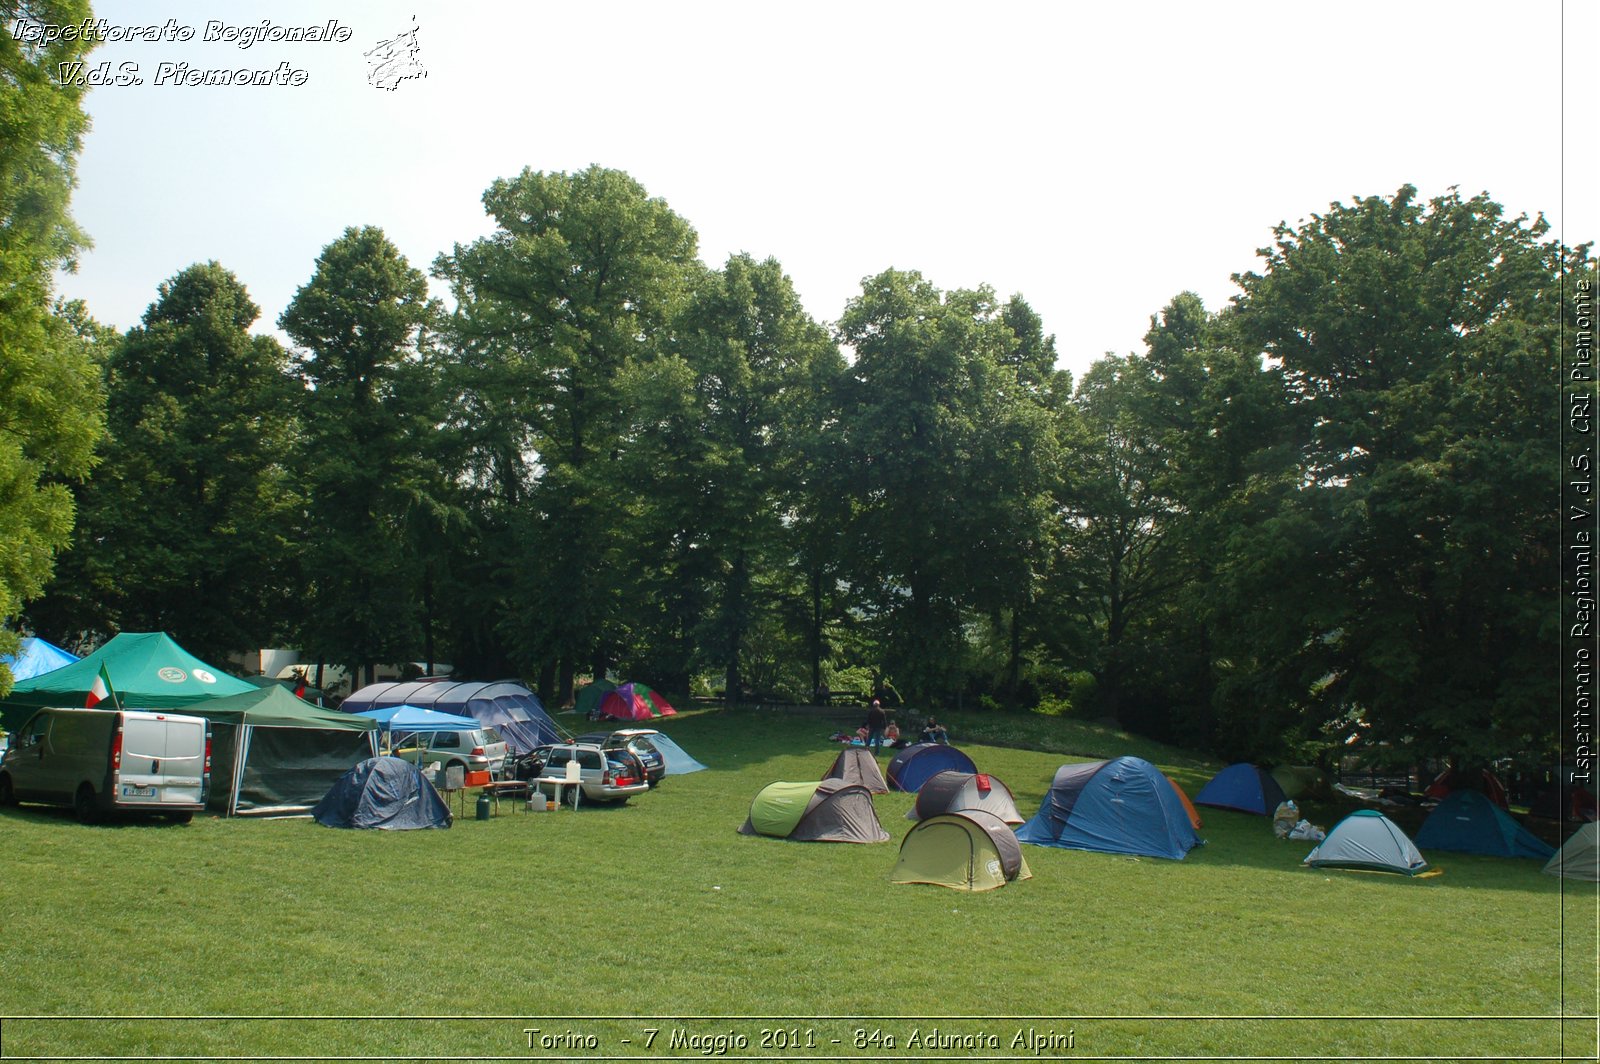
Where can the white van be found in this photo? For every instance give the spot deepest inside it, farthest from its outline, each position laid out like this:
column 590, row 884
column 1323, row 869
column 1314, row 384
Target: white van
column 99, row 761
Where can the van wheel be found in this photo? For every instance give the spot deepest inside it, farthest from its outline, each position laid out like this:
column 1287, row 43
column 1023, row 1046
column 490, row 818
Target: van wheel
column 8, row 796
column 83, row 805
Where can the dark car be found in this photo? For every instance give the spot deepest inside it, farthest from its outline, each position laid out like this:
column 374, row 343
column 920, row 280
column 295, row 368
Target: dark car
column 637, row 742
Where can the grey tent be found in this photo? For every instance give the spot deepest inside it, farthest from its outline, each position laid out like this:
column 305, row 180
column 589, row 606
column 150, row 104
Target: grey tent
column 827, row 811
column 856, row 764
column 951, row 791
column 1579, row 857
column 1369, row 841
column 385, row 793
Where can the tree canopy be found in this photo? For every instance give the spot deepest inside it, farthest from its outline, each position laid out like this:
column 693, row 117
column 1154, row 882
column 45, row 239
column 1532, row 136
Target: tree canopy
column 1324, row 510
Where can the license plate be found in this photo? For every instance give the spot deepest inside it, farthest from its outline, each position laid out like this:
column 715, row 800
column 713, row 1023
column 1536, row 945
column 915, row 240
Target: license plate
column 138, row 792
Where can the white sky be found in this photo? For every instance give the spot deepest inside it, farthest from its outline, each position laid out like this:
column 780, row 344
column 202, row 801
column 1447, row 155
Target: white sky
column 1096, row 158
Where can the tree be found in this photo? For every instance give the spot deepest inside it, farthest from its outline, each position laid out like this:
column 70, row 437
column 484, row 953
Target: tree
column 1404, row 575
column 947, row 459
column 1120, row 558
column 51, row 404
column 180, row 532
column 716, row 435
column 370, row 422
column 582, row 277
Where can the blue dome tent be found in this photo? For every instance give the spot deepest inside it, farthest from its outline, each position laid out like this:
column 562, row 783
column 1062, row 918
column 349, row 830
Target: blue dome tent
column 382, row 792
column 1121, row 806
column 917, row 764
column 1244, row 788
column 509, row 708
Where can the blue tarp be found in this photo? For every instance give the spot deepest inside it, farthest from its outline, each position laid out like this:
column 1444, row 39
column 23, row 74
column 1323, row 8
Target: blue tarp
column 509, row 708
column 917, row 764
column 415, row 718
column 1120, row 806
column 1242, row 787
column 35, row 658
column 1468, row 822
column 678, row 759
column 382, row 792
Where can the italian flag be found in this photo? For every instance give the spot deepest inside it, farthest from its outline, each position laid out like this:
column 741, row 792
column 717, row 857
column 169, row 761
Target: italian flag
column 101, row 690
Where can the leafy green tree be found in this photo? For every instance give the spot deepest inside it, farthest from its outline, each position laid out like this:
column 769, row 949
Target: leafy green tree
column 948, row 461
column 51, row 404
column 188, row 523
column 371, row 473
column 720, row 423
column 582, row 277
column 1120, row 558
column 1405, row 574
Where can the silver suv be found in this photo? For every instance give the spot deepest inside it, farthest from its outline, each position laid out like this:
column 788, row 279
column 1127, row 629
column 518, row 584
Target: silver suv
column 605, row 775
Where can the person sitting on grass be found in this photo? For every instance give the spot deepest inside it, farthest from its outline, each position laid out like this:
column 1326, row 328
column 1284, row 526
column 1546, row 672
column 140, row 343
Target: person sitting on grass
column 934, row 732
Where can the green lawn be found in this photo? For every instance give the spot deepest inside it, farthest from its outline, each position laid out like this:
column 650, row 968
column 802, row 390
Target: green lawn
column 455, row 943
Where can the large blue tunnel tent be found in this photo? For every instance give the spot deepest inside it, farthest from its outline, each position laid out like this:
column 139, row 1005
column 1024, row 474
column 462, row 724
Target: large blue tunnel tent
column 509, row 708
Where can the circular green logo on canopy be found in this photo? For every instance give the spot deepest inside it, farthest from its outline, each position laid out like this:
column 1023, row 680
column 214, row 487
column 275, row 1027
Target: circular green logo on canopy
column 172, row 675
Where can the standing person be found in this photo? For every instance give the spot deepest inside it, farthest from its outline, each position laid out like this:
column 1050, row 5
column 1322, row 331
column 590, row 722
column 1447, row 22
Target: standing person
column 876, row 720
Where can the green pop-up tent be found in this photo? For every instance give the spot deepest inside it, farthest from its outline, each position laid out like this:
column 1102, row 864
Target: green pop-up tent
column 148, row 670
column 273, row 753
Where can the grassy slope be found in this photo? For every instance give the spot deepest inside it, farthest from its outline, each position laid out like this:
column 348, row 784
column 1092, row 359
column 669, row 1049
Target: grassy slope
column 660, row 907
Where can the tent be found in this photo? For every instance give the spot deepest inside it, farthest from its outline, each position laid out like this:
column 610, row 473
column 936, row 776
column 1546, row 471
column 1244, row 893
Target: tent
column 678, row 760
column 1243, row 787
column 857, row 764
column 148, row 670
column 273, row 753
column 35, row 657
column 827, row 811
column 1367, row 840
column 382, row 792
column 633, row 701
column 1120, row 806
column 589, row 695
column 415, row 718
column 950, row 792
column 1188, row 806
column 1453, row 779
column 920, row 762
column 1301, row 781
column 1579, row 857
column 966, row 849
column 508, row 708
column 1468, row 822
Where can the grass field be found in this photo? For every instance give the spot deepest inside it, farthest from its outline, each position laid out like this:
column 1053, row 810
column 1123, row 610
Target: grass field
column 598, row 926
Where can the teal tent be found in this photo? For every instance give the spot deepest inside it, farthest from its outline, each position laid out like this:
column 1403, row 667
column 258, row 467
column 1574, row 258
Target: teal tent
column 1366, row 840
column 272, row 753
column 1468, row 822
column 148, row 670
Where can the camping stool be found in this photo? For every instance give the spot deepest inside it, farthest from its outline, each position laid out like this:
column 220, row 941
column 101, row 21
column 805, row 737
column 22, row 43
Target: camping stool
column 455, row 782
